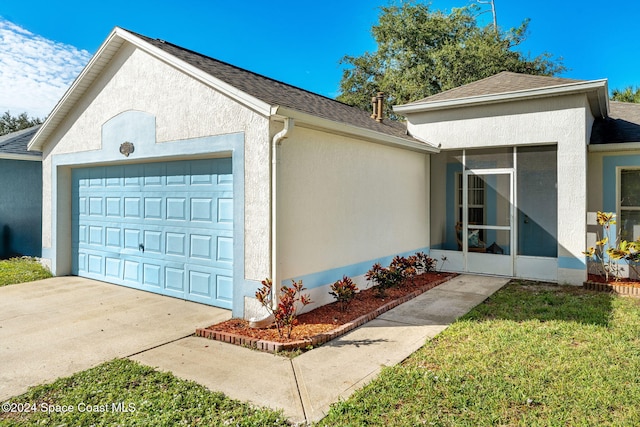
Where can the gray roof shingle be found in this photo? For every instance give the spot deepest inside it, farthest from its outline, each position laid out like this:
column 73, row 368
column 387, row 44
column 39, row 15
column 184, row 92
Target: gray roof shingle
column 274, row 92
column 504, row 82
column 16, row 142
column 622, row 125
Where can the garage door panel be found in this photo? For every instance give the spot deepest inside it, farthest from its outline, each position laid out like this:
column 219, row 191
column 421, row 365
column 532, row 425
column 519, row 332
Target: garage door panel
column 152, row 274
column 132, row 208
column 174, row 278
column 132, row 238
column 132, row 271
column 224, row 288
column 176, row 208
column 95, row 264
column 113, row 267
column 176, row 243
column 224, row 249
column 201, row 209
column 152, row 241
column 153, row 208
column 162, row 227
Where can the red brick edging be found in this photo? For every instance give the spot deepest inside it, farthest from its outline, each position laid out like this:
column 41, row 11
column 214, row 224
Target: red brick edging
column 612, row 287
column 275, row 347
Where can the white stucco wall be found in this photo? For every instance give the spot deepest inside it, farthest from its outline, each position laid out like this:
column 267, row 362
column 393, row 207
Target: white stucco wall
column 344, row 203
column 183, row 108
column 565, row 121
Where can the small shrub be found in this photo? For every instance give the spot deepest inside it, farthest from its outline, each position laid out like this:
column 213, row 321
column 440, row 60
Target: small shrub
column 425, row 263
column 406, row 267
column 609, row 250
column 286, row 310
column 344, row 291
column 384, row 278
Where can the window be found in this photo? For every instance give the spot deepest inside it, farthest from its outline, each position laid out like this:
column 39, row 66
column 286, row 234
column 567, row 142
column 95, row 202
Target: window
column 629, row 204
column 476, row 199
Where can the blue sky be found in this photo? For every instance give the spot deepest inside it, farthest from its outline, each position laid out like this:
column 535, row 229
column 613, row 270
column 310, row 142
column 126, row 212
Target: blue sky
column 298, row 42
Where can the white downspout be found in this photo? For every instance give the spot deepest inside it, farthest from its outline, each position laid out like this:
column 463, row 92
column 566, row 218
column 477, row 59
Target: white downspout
column 276, row 141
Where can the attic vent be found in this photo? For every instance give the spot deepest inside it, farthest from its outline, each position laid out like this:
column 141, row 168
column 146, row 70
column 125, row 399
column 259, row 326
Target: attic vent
column 377, row 107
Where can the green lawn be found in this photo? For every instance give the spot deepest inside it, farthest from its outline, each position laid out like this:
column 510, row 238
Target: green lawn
column 532, row 355
column 125, row 393
column 20, row 270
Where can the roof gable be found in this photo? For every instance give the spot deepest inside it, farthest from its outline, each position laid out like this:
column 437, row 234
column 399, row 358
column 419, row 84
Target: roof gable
column 509, row 86
column 265, row 95
column 500, row 83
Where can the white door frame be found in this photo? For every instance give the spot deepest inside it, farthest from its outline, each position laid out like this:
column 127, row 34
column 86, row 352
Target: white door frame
column 485, row 263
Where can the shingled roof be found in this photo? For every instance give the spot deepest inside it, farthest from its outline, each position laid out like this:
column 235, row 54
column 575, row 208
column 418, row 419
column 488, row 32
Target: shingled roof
column 622, row 125
column 265, row 95
column 504, row 82
column 15, row 143
column 274, row 92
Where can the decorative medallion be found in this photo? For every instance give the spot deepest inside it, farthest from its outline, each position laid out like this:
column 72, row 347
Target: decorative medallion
column 127, row 148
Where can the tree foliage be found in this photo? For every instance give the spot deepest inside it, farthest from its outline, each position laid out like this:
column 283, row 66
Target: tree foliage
column 628, row 94
column 9, row 123
column 421, row 52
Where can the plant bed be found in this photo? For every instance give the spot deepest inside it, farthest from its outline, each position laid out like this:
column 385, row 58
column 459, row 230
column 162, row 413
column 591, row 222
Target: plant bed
column 324, row 323
column 621, row 286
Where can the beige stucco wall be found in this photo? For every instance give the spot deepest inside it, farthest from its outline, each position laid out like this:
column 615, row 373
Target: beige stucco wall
column 565, row 121
column 184, row 108
column 343, row 202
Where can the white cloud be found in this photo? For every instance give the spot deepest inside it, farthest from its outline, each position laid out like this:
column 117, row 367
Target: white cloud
column 35, row 72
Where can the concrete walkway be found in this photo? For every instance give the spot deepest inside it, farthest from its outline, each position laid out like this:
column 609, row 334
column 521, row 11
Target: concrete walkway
column 55, row 327
column 305, row 387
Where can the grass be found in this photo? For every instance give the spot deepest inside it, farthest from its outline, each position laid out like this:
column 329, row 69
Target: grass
column 99, row 397
column 531, row 355
column 20, row 270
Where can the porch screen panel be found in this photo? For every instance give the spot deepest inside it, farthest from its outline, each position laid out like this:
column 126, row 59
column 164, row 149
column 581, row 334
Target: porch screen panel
column 537, row 201
column 629, row 221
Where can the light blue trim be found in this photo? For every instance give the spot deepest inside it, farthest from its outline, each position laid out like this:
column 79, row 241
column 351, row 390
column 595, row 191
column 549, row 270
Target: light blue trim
column 327, row 277
column 609, row 185
column 572, row 263
column 139, row 128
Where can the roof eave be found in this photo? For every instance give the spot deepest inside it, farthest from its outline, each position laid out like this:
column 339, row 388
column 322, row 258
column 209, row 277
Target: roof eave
column 315, row 122
column 27, row 157
column 599, row 103
column 100, row 61
column 78, row 87
column 618, row 146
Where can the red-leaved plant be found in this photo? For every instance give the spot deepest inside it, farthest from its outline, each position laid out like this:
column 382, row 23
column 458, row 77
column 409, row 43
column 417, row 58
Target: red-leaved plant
column 384, row 278
column 286, row 311
column 425, row 263
column 344, row 291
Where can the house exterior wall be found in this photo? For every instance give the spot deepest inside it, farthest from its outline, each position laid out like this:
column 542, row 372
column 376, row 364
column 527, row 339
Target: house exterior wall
column 176, row 117
column 602, row 178
column 344, row 204
column 564, row 121
column 603, row 183
column 20, row 208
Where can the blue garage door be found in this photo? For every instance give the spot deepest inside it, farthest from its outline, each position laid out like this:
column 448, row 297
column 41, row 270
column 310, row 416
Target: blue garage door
column 160, row 227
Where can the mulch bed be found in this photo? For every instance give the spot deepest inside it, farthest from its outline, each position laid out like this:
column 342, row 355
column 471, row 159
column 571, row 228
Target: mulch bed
column 324, row 323
column 628, row 287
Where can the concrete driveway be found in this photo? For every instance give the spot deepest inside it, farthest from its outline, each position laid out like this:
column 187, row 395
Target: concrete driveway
column 56, row 327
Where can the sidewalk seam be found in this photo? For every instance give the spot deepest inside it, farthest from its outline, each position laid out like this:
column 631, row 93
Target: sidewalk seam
column 295, row 378
column 156, row 346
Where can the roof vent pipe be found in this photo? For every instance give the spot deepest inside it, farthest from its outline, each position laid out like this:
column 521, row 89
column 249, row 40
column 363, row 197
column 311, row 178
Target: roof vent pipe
column 377, row 107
